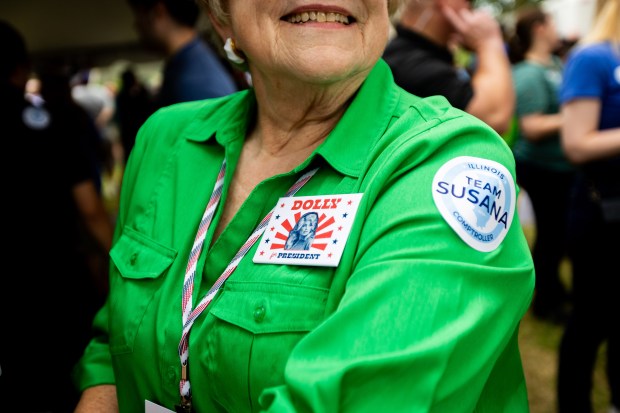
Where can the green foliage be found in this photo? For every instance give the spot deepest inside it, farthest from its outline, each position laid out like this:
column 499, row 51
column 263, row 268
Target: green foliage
column 462, row 58
column 502, row 8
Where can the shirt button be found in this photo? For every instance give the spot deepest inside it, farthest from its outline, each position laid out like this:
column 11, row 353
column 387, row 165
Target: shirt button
column 259, row 314
column 133, row 258
column 171, row 373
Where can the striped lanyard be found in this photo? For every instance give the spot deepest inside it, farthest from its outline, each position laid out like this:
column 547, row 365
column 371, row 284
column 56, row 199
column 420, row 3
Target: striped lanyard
column 189, row 314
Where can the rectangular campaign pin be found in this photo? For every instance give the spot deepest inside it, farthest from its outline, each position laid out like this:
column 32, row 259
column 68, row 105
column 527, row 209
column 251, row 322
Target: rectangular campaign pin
column 308, row 230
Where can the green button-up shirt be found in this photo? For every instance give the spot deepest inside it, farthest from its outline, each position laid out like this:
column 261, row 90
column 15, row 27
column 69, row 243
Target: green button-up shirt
column 413, row 319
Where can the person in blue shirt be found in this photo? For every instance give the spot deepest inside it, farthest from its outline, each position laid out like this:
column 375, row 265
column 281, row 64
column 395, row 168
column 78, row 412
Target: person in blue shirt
column 192, row 69
column 590, row 106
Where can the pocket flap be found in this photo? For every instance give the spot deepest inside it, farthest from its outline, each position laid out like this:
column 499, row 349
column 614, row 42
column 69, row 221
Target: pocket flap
column 137, row 256
column 271, row 308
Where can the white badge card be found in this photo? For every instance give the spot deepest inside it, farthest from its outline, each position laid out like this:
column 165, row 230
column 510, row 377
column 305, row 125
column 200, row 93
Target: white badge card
column 150, row 407
column 308, row 230
column 477, row 198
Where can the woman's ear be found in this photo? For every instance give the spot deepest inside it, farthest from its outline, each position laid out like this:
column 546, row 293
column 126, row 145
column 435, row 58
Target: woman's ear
column 223, row 31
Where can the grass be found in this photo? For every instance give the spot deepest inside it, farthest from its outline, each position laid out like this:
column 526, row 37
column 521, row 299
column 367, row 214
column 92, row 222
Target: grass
column 539, row 342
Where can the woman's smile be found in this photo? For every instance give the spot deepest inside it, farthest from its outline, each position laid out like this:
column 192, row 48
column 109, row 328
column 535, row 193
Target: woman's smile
column 317, row 16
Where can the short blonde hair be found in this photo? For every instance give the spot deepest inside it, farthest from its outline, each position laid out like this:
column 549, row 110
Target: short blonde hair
column 606, row 26
column 219, row 10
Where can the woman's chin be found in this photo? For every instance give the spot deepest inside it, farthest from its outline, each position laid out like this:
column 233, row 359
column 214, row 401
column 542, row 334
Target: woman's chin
column 325, row 72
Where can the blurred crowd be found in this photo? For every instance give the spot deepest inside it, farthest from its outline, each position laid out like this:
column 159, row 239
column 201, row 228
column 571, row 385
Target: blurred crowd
column 555, row 101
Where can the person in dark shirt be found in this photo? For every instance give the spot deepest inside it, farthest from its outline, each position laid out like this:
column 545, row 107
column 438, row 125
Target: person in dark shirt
column 48, row 300
column 133, row 105
column 55, row 91
column 422, row 62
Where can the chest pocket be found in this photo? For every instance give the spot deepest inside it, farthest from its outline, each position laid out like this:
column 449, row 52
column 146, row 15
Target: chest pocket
column 256, row 326
column 271, row 308
column 139, row 265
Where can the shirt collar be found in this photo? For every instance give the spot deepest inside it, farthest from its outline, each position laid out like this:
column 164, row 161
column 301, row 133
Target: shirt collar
column 227, row 115
column 346, row 147
column 369, row 115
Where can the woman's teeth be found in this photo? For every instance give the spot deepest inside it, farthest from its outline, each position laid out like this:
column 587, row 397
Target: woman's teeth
column 317, row 16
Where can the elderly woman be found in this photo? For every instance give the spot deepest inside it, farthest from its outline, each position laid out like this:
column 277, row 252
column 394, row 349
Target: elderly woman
column 410, row 297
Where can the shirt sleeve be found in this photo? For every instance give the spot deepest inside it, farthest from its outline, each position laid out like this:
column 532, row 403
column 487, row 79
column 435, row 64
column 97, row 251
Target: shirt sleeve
column 95, row 366
column 583, row 76
column 426, row 321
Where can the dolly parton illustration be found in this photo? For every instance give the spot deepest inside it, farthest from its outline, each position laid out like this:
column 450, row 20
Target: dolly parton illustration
column 301, row 237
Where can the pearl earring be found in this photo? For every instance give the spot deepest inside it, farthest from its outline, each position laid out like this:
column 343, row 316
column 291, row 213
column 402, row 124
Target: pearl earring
column 232, row 53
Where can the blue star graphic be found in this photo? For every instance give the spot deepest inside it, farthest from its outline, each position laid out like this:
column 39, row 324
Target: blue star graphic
column 335, row 241
column 345, row 214
column 267, row 241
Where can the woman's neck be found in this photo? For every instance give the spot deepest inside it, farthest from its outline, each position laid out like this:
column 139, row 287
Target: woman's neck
column 294, row 116
column 280, row 152
column 296, row 119
column 540, row 52
column 541, row 58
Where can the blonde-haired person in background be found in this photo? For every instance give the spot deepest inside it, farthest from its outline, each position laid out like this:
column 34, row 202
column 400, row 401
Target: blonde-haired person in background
column 590, row 97
column 410, row 295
